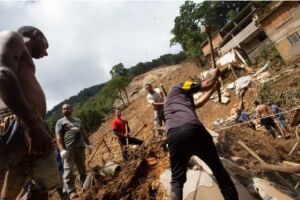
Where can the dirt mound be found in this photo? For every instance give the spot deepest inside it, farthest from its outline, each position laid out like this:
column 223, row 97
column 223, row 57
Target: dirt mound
column 139, row 178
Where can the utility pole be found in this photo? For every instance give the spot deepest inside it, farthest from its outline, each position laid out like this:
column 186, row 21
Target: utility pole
column 207, row 30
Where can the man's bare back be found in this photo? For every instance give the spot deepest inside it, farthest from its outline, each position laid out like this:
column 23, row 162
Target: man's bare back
column 262, row 110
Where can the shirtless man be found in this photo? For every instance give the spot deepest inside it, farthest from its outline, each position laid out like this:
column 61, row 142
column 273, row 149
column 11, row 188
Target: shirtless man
column 264, row 111
column 26, row 151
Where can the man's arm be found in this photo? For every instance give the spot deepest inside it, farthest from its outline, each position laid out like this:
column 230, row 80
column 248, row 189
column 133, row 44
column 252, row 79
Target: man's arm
column 158, row 104
column 210, row 82
column 118, row 133
column 10, row 91
column 59, row 142
column 58, row 135
column 85, row 137
column 153, row 103
column 204, row 98
column 257, row 113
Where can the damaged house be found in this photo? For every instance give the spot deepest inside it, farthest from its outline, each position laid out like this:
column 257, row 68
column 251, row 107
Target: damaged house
column 255, row 29
column 241, row 34
column 280, row 20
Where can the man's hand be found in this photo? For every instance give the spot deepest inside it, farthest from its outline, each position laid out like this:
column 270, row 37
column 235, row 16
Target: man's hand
column 39, row 140
column 64, row 154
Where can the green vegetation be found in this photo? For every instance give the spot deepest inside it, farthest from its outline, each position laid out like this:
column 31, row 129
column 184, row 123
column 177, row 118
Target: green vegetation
column 92, row 104
column 212, row 13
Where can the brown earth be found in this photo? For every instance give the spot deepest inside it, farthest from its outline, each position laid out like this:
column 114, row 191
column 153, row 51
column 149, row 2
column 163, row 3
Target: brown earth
column 139, row 178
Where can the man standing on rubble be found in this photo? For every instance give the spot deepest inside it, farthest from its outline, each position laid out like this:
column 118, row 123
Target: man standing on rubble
column 71, row 141
column 26, row 150
column 280, row 117
column 121, row 130
column 156, row 98
column 264, row 114
column 243, row 117
column 187, row 136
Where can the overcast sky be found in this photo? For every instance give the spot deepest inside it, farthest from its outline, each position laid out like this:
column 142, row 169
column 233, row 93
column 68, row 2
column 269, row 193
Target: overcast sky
column 88, row 37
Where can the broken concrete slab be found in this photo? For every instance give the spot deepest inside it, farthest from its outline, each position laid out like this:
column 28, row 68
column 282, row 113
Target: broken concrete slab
column 195, row 160
column 267, row 192
column 199, row 182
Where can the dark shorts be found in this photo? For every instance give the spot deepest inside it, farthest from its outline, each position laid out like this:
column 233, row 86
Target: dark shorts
column 21, row 167
column 159, row 117
column 268, row 123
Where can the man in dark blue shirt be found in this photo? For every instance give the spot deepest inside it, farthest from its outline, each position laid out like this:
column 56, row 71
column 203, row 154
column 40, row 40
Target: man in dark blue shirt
column 242, row 116
column 187, row 136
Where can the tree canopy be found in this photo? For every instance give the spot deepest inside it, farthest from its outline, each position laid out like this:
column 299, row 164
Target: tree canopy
column 216, row 14
column 118, row 70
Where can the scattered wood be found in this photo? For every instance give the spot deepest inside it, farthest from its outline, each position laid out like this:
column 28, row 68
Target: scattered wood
column 293, row 148
column 267, row 192
column 250, row 151
column 280, row 168
column 274, row 168
column 296, row 119
column 296, row 144
column 293, row 164
column 151, row 161
column 232, row 70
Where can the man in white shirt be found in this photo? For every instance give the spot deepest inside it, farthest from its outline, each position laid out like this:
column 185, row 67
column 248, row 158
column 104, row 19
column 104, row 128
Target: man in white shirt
column 156, row 98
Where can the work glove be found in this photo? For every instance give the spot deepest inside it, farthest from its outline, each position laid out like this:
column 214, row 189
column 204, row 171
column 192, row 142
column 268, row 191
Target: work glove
column 64, row 154
column 89, row 148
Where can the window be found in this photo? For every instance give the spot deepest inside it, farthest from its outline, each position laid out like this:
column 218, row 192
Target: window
column 294, row 38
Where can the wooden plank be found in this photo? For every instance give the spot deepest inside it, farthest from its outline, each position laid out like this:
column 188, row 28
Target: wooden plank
column 250, row 151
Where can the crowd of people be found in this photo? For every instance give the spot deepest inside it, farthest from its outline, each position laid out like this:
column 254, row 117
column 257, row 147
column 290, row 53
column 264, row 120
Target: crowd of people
column 267, row 115
column 30, row 165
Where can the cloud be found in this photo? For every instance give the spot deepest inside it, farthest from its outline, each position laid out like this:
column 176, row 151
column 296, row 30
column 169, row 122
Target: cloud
column 88, row 37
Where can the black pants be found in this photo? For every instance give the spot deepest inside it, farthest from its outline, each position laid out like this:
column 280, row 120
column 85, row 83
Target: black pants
column 123, row 143
column 188, row 140
column 270, row 125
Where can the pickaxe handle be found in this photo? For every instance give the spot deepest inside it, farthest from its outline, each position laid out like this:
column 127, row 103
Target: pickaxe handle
column 214, row 61
column 163, row 90
column 126, row 129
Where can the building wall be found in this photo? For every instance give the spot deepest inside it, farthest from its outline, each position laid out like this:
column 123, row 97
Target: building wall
column 216, row 40
column 281, row 24
column 247, row 32
column 259, row 47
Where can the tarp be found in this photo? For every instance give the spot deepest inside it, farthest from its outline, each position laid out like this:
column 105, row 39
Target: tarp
column 240, row 84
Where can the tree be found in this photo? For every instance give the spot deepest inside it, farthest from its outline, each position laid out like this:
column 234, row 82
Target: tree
column 118, row 70
column 120, row 83
column 187, row 25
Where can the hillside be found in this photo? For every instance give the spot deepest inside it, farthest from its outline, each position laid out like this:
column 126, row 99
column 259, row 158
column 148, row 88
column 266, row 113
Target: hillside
column 93, row 104
column 140, row 177
column 80, row 98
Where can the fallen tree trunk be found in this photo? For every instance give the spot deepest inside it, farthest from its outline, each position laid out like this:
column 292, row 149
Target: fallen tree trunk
column 279, row 168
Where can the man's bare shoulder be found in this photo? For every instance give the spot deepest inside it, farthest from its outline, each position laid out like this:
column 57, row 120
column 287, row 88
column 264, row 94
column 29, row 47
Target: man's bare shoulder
column 11, row 40
column 8, row 35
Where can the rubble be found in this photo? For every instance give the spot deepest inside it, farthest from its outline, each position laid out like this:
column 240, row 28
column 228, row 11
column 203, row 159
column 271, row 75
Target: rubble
column 140, row 178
